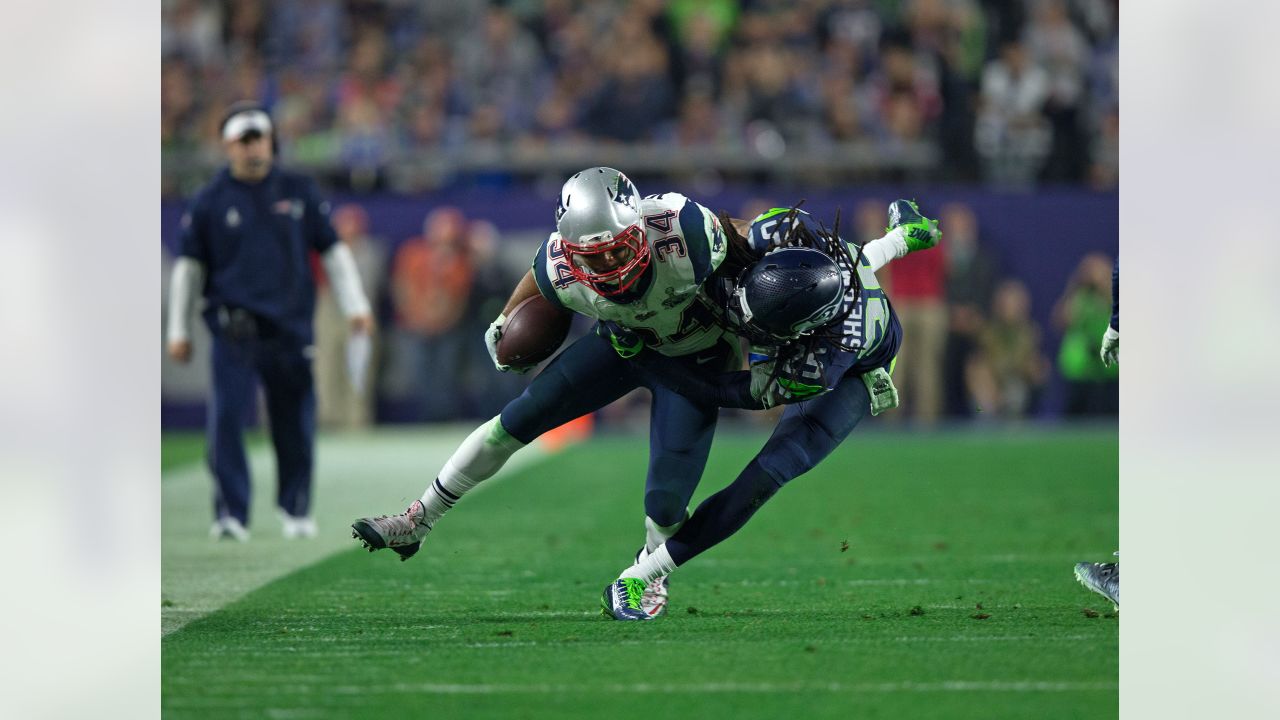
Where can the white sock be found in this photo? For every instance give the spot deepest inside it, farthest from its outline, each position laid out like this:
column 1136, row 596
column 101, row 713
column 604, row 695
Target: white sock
column 651, row 566
column 656, row 534
column 478, row 458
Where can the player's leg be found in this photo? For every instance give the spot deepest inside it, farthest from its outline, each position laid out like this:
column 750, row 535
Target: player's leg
column 805, row 435
column 291, row 408
column 680, row 435
column 588, row 375
column 234, row 380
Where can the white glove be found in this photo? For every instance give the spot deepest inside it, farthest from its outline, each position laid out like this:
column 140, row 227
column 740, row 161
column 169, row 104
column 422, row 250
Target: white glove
column 491, row 338
column 1110, row 351
column 761, row 371
column 884, row 396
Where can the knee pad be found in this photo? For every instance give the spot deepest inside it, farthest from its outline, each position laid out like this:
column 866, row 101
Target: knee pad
column 665, row 508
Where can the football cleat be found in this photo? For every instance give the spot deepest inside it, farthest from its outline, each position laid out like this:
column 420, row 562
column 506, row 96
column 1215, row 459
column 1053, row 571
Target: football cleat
column 621, row 600
column 402, row 533
column 920, row 232
column 654, row 599
column 1102, row 578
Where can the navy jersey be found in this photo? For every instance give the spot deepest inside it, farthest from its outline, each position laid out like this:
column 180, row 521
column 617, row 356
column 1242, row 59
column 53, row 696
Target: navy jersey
column 868, row 338
column 254, row 241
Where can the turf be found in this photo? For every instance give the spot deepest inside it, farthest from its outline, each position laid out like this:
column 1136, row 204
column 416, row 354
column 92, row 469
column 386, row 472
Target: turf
column 909, row 576
column 183, row 448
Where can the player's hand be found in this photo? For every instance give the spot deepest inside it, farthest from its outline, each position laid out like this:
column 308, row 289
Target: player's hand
column 361, row 324
column 764, row 388
column 625, row 342
column 884, row 396
column 180, row 350
column 1110, row 351
column 491, row 338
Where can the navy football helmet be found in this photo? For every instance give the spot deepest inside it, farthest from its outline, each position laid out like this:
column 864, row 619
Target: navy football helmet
column 788, row 293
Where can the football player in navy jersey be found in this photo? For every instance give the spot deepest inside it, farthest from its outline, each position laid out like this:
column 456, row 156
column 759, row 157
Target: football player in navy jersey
column 824, row 338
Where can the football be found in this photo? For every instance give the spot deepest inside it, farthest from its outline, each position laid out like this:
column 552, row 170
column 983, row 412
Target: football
column 533, row 332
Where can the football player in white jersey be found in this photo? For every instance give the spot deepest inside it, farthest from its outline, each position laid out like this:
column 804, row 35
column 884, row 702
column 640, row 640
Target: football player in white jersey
column 638, row 264
column 615, row 256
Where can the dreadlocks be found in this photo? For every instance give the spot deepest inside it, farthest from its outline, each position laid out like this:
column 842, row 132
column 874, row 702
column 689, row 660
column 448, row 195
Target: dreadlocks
column 798, row 234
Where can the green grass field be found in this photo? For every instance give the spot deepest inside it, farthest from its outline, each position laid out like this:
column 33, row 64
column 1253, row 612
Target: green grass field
column 909, row 576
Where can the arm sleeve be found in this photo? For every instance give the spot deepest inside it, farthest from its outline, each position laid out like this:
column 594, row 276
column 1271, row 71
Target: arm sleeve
column 186, row 281
column 340, row 266
column 880, row 251
column 323, row 236
column 1115, row 296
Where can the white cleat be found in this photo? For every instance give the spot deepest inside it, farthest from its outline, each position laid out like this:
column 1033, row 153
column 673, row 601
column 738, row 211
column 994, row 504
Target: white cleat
column 402, row 533
column 654, row 599
column 228, row 528
column 297, row 527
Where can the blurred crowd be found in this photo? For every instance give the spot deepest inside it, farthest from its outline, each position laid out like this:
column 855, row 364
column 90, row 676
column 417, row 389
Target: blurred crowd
column 1012, row 92
column 972, row 347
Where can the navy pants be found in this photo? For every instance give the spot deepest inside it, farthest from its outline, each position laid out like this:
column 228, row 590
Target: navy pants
column 804, row 437
column 285, row 371
column 588, row 375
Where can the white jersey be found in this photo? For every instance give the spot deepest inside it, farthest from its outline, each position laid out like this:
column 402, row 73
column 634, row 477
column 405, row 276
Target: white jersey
column 671, row 314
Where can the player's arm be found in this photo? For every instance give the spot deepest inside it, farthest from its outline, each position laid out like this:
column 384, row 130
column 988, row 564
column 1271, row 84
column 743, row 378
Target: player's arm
column 727, row 390
column 187, row 280
column 534, row 282
column 344, row 276
column 184, row 284
column 525, row 289
column 339, row 263
column 1110, row 350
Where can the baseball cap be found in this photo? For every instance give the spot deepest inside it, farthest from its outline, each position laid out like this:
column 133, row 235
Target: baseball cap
column 244, row 122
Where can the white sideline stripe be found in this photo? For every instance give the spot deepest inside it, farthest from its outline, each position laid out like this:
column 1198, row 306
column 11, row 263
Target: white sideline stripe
column 948, row 556
column 792, row 640
column 740, row 687
column 945, row 686
column 356, row 474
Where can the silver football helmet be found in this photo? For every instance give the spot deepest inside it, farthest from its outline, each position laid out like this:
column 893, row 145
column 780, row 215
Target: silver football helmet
column 601, row 230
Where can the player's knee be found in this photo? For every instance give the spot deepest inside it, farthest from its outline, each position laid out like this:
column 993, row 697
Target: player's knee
column 665, row 508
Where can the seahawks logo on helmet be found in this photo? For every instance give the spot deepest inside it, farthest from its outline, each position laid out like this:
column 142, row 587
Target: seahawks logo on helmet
column 790, row 292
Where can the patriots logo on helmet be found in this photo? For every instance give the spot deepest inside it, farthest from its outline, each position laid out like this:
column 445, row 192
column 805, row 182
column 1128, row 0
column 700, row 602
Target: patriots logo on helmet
column 625, row 192
column 562, row 205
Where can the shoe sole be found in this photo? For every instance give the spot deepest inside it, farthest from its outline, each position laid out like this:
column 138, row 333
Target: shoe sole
column 370, row 539
column 1080, row 579
column 362, row 531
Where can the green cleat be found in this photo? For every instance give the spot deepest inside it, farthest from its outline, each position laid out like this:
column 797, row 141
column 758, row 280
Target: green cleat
column 920, row 232
column 622, row 598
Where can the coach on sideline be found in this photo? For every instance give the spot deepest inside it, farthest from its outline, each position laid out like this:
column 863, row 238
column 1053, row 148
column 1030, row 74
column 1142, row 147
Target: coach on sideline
column 246, row 244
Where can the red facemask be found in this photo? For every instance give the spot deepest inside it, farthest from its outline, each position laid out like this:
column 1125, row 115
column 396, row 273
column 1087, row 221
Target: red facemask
column 611, row 281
